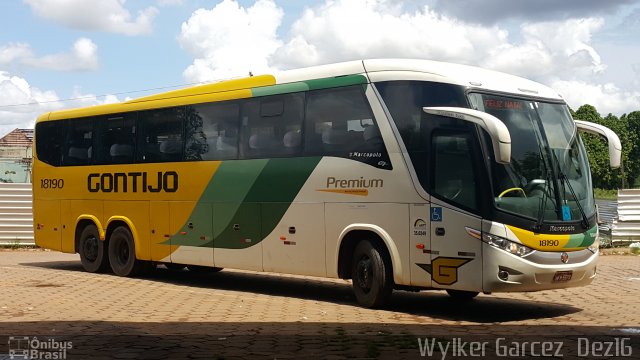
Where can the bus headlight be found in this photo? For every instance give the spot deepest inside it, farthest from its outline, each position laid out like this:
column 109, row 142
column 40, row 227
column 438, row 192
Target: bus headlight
column 595, row 246
column 506, row 245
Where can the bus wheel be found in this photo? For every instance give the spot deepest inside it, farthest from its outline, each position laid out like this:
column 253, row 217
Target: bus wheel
column 93, row 252
column 462, row 295
column 371, row 275
column 122, row 253
column 203, row 269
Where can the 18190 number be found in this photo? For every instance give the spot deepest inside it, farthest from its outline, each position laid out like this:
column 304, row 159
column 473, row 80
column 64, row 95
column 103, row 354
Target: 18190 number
column 51, row 183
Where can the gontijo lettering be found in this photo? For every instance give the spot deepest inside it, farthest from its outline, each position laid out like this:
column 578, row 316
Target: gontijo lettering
column 133, row 182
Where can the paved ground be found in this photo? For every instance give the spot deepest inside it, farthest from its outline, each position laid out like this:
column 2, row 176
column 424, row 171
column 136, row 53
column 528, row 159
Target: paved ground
column 234, row 314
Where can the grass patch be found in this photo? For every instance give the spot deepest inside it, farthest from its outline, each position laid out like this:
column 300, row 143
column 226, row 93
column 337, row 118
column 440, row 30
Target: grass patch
column 605, row 194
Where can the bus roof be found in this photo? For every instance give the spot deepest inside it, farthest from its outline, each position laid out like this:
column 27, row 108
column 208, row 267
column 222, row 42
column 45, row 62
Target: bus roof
column 374, row 69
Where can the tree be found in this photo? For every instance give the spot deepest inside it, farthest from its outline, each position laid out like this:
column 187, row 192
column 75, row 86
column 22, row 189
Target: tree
column 633, row 164
column 628, row 130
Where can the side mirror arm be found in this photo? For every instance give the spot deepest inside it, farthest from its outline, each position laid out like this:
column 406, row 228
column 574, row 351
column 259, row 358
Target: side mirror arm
column 615, row 147
column 500, row 137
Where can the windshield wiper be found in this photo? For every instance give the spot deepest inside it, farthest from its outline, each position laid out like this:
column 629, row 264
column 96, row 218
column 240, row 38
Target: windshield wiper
column 543, row 204
column 565, row 180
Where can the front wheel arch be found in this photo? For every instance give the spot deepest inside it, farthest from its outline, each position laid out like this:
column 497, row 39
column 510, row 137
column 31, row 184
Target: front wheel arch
column 350, row 237
column 372, row 274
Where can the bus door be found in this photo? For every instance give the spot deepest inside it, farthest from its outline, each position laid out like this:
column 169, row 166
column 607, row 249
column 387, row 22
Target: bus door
column 456, row 258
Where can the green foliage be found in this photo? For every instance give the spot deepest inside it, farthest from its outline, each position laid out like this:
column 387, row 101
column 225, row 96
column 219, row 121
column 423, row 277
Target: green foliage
column 627, row 127
column 605, row 194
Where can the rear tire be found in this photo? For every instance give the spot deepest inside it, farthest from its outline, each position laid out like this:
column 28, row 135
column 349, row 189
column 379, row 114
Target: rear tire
column 371, row 275
column 93, row 251
column 462, row 295
column 122, row 253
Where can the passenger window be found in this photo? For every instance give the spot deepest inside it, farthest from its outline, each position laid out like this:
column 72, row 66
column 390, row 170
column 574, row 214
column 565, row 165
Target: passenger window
column 340, row 123
column 79, row 142
column 453, row 171
column 49, row 145
column 272, row 126
column 117, row 139
column 212, row 131
column 161, row 135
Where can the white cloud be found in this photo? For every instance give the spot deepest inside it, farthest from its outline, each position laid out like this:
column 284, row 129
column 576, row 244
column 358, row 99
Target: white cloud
column 170, row 2
column 607, row 98
column 230, row 40
column 21, row 104
column 12, row 52
column 103, row 15
column 550, row 49
column 83, row 56
column 345, row 29
column 83, row 100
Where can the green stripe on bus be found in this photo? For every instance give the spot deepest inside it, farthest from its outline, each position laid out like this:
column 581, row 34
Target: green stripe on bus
column 582, row 240
column 254, row 194
column 309, row 85
column 336, row 82
column 279, row 89
column 228, row 188
column 589, row 237
column 267, row 200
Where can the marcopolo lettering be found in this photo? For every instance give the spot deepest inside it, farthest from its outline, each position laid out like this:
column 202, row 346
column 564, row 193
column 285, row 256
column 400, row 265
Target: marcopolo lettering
column 133, row 182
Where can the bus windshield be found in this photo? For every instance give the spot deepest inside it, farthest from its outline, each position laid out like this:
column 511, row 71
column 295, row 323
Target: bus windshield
column 548, row 177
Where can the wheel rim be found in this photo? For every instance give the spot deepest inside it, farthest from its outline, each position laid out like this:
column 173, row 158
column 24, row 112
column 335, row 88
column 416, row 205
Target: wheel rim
column 364, row 274
column 91, row 248
column 122, row 252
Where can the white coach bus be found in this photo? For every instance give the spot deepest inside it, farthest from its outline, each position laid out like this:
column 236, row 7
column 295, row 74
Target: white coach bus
column 397, row 174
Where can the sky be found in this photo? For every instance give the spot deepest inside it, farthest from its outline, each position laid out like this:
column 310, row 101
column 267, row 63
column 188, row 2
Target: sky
column 57, row 54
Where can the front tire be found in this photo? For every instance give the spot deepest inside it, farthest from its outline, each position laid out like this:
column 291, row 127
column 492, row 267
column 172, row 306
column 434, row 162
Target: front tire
column 93, row 251
column 122, row 253
column 371, row 275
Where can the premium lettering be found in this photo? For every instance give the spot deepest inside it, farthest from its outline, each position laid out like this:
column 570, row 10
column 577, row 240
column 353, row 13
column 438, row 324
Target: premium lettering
column 133, row 182
column 353, row 183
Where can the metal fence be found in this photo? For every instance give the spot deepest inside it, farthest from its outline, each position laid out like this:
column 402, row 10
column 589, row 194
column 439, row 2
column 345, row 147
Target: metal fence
column 16, row 214
column 626, row 225
column 607, row 212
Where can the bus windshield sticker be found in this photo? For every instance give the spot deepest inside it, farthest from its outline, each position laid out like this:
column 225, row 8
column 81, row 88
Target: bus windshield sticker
column 566, row 213
column 436, row 214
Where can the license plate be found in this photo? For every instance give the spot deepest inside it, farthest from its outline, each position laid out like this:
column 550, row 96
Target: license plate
column 562, row 276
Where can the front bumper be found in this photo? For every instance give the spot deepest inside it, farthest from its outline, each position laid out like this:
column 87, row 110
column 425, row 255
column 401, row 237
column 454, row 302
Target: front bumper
column 535, row 273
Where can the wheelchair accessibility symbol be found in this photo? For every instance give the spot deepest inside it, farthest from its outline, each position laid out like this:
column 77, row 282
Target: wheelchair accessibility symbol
column 436, row 214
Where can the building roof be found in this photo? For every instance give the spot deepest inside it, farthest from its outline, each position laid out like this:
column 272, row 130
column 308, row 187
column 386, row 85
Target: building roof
column 18, row 138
